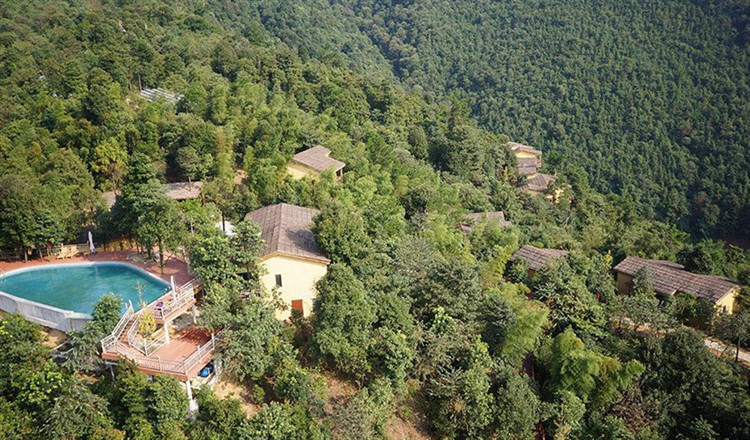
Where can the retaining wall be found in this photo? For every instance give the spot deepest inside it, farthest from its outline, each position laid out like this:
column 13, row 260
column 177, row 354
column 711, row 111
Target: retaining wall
column 48, row 316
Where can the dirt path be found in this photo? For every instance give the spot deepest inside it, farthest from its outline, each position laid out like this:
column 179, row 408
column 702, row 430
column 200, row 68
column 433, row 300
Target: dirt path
column 228, row 389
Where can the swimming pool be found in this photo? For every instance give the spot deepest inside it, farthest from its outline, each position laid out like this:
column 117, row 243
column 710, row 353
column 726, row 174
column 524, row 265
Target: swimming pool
column 77, row 286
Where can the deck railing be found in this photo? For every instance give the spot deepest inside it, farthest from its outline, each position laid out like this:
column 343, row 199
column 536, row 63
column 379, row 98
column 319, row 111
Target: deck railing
column 201, row 352
column 145, row 346
column 174, row 300
column 167, row 366
column 113, row 337
column 170, row 303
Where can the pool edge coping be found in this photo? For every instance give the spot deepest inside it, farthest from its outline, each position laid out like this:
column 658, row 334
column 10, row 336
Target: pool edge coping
column 71, row 313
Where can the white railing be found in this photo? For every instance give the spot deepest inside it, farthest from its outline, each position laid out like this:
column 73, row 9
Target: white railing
column 145, row 346
column 191, row 286
column 174, row 300
column 201, row 352
column 170, row 302
column 113, row 337
column 167, row 366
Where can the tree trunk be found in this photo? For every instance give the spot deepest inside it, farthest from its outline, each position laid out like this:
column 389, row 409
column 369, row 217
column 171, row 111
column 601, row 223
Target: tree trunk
column 25, row 255
column 161, row 256
column 223, row 228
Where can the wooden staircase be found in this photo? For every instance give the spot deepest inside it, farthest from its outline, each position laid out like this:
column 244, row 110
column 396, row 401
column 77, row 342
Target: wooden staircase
column 124, row 336
column 125, row 343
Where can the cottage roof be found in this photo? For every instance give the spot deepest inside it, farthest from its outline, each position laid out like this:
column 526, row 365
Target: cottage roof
column 318, row 159
column 671, row 278
column 469, row 220
column 526, row 165
column 515, row 147
column 184, row 190
column 537, row 182
column 537, row 257
column 286, row 230
column 175, row 191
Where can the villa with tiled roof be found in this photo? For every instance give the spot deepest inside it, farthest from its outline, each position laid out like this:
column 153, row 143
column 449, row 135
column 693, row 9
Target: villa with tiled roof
column 537, row 183
column 528, row 163
column 293, row 260
column 312, row 162
column 468, row 221
column 177, row 191
column 528, row 159
column 537, row 257
column 672, row 279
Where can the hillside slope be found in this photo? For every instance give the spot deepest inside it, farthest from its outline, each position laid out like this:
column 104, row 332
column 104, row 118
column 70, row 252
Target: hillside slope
column 651, row 98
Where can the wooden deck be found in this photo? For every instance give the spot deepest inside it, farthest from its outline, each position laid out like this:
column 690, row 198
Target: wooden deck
column 183, row 357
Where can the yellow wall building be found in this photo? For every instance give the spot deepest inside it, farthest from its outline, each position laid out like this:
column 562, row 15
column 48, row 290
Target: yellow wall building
column 292, row 260
column 295, row 279
column 672, row 279
column 528, row 159
column 312, row 162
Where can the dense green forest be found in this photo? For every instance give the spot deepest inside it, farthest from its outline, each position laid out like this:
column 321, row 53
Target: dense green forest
column 650, row 97
column 428, row 325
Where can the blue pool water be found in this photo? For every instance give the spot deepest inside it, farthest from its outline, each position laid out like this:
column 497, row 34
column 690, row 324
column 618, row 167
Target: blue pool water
column 78, row 287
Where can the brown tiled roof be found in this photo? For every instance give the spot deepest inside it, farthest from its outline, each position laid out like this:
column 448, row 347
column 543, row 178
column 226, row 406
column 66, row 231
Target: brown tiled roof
column 476, row 217
column 515, row 146
column 526, row 166
column 537, row 182
column 175, row 191
column 538, row 257
column 318, row 159
column 184, row 190
column 286, row 230
column 671, row 278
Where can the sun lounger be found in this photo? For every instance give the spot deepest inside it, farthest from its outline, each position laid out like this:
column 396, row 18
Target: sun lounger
column 62, row 254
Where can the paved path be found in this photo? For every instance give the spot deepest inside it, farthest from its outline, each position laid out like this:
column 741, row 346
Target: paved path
column 731, row 351
column 716, row 347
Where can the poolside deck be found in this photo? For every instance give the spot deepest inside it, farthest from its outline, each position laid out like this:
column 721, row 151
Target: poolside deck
column 187, row 352
column 173, row 266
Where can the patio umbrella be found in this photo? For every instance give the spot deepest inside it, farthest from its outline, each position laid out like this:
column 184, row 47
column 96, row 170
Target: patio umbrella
column 91, row 243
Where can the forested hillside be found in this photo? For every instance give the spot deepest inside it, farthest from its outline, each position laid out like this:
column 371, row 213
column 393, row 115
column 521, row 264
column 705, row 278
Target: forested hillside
column 650, row 97
column 419, row 321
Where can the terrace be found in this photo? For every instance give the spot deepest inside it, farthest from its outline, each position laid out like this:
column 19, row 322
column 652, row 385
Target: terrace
column 181, row 352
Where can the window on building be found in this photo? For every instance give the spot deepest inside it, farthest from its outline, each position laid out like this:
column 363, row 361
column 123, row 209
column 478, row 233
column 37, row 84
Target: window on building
column 278, row 280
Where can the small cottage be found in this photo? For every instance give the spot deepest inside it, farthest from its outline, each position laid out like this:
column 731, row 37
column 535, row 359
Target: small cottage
column 672, row 279
column 537, row 257
column 468, row 221
column 292, row 259
column 539, row 184
column 312, row 162
column 528, row 159
column 178, row 191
